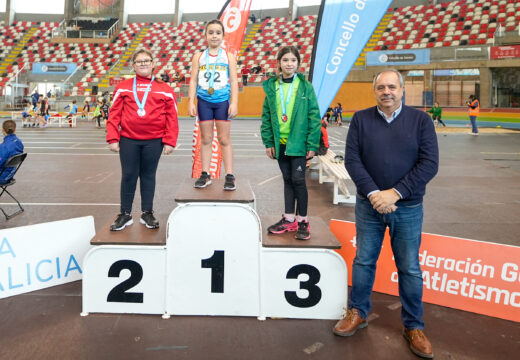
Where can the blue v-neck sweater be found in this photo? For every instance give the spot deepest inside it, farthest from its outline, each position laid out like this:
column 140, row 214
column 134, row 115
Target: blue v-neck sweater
column 403, row 154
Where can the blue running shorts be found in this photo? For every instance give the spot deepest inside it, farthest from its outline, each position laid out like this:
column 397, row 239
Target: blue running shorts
column 212, row 111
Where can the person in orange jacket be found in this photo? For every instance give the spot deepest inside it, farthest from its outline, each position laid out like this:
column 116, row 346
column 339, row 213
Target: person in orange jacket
column 474, row 109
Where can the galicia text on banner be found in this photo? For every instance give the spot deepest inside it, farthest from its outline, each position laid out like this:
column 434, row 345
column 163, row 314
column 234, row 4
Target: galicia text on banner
column 38, row 256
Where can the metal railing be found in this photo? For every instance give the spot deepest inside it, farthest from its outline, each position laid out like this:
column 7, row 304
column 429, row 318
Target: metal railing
column 62, row 31
column 14, row 85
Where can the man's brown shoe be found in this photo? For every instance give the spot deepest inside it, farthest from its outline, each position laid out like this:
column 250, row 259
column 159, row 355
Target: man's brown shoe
column 350, row 322
column 419, row 343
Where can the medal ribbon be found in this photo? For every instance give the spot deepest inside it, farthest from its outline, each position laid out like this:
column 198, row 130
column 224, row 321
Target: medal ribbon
column 140, row 104
column 212, row 77
column 285, row 102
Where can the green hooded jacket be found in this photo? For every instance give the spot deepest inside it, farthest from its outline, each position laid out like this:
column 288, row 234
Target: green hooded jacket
column 305, row 121
column 435, row 111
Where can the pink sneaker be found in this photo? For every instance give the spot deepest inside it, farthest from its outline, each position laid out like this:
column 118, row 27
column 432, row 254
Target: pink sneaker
column 282, row 226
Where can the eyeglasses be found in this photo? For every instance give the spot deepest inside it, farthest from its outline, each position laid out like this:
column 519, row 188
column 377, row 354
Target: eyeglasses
column 143, row 62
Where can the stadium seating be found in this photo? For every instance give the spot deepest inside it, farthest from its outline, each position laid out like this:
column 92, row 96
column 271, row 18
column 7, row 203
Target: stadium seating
column 412, row 27
column 174, row 47
column 94, row 59
column 449, row 24
column 273, row 34
column 9, row 37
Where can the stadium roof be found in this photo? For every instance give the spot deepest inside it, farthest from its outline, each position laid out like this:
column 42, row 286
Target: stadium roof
column 151, row 6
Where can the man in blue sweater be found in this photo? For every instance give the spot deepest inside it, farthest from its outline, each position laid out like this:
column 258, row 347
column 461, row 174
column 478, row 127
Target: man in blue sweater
column 11, row 146
column 391, row 154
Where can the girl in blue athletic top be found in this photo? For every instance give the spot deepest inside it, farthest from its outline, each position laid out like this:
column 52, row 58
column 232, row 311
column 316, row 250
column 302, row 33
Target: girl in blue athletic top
column 214, row 82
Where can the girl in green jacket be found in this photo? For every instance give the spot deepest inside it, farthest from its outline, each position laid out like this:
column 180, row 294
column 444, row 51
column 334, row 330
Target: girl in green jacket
column 290, row 129
column 97, row 114
column 436, row 112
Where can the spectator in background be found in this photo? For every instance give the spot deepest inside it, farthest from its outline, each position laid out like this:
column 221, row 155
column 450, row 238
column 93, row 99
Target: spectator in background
column 256, row 69
column 26, row 115
column 328, row 115
column 10, row 147
column 72, row 112
column 338, row 112
column 245, row 74
column 165, row 77
column 105, row 109
column 44, row 111
column 436, row 112
column 474, row 110
column 86, row 109
column 324, row 139
column 35, row 97
column 177, row 77
column 73, row 109
column 35, row 113
column 97, row 114
column 253, row 18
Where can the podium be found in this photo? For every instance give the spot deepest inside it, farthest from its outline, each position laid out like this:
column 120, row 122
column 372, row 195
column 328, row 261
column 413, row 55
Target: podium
column 214, row 257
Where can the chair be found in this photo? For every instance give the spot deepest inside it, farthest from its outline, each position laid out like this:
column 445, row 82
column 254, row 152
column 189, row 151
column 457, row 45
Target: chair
column 11, row 167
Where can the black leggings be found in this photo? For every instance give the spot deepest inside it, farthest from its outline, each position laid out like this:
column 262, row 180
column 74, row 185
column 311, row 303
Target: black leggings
column 438, row 119
column 293, row 173
column 139, row 158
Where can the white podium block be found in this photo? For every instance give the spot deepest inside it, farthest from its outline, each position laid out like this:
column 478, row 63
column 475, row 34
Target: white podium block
column 303, row 283
column 213, row 260
column 124, row 279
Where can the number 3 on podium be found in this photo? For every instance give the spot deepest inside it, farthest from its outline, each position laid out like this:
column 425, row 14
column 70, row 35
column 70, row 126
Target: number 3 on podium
column 303, row 283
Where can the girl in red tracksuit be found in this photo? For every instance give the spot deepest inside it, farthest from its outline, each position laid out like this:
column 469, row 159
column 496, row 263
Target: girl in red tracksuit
column 142, row 124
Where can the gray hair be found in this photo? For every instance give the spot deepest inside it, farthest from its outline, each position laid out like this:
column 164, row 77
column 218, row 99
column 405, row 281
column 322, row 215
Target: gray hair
column 399, row 76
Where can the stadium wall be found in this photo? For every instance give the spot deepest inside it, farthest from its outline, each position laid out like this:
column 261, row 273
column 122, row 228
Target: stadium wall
column 38, row 17
column 403, row 3
column 306, row 10
column 150, row 18
column 351, row 95
column 169, row 17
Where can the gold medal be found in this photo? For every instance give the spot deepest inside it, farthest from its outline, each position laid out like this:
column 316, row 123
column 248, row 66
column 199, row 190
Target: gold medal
column 211, row 91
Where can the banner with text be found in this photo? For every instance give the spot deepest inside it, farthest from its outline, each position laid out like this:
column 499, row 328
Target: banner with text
column 343, row 29
column 398, row 57
column 38, row 256
column 216, row 154
column 54, row 68
column 464, row 274
column 504, row 52
column 234, row 16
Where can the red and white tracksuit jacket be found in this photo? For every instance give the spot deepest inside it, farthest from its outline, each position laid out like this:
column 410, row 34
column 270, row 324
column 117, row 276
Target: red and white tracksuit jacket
column 160, row 120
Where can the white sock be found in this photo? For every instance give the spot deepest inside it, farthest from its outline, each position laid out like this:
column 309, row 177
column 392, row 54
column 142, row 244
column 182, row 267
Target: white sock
column 302, row 218
column 289, row 217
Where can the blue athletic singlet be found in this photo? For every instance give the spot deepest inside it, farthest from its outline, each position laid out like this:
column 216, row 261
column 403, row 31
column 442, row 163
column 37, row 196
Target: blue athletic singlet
column 221, row 81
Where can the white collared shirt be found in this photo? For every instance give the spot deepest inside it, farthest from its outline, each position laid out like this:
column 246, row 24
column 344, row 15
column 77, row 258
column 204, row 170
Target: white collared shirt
column 394, row 114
